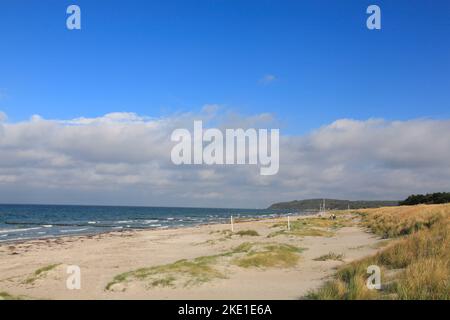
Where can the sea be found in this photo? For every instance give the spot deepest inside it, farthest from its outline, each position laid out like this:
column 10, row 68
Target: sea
column 23, row 222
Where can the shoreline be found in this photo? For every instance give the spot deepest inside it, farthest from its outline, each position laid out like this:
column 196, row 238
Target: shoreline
column 103, row 257
column 138, row 229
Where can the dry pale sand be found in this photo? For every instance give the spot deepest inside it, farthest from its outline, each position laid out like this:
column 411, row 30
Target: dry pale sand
column 101, row 257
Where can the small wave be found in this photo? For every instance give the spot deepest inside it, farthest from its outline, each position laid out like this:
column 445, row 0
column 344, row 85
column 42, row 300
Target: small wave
column 92, row 222
column 124, row 221
column 47, row 225
column 150, row 221
column 16, row 239
column 18, row 230
column 156, row 225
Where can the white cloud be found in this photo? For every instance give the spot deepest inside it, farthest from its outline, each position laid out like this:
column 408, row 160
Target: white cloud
column 267, row 79
column 124, row 158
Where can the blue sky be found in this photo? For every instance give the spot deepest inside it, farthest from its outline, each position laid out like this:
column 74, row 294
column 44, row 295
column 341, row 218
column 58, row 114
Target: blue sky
column 156, row 58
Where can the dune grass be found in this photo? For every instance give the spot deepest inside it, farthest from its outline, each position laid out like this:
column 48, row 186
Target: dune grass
column 39, row 273
column 251, row 233
column 399, row 221
column 415, row 266
column 227, row 235
column 187, row 273
column 309, row 227
column 330, row 256
column 183, row 272
column 315, row 222
column 7, row 296
column 225, row 232
column 309, row 232
column 269, row 256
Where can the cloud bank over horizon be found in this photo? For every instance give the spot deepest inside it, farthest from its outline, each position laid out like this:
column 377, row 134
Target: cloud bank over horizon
column 124, row 159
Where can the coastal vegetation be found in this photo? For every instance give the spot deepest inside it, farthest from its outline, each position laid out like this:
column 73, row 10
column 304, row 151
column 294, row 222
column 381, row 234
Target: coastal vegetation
column 187, row 273
column 330, row 256
column 7, row 296
column 412, row 252
column 251, row 233
column 192, row 272
column 270, row 256
column 430, row 198
column 39, row 273
column 416, row 265
column 228, row 234
column 313, row 227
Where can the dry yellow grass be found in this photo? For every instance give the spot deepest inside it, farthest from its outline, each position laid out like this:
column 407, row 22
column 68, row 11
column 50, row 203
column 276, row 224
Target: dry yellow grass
column 391, row 222
column 416, row 266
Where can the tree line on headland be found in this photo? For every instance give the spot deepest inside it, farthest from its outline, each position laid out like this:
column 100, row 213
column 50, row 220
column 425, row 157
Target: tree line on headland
column 429, row 198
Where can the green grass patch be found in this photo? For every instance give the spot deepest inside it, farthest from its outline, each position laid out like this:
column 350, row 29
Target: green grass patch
column 251, row 233
column 307, row 232
column 309, row 227
column 187, row 273
column 330, row 256
column 39, row 273
column 225, row 235
column 7, row 296
column 302, row 223
column 183, row 272
column 269, row 256
column 222, row 232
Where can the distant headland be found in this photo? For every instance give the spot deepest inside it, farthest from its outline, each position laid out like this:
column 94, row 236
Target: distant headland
column 332, row 204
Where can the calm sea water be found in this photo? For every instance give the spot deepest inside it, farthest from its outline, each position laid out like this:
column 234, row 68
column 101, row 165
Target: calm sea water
column 20, row 222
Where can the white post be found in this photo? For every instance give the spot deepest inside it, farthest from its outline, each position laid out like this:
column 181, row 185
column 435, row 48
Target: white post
column 232, row 227
column 289, row 224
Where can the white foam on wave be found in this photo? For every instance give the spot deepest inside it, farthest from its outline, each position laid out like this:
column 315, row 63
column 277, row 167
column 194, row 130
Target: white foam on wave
column 15, row 239
column 72, row 230
column 18, row 230
column 150, row 221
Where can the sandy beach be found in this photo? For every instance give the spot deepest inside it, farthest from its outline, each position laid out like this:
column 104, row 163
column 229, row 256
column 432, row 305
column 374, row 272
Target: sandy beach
column 270, row 262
